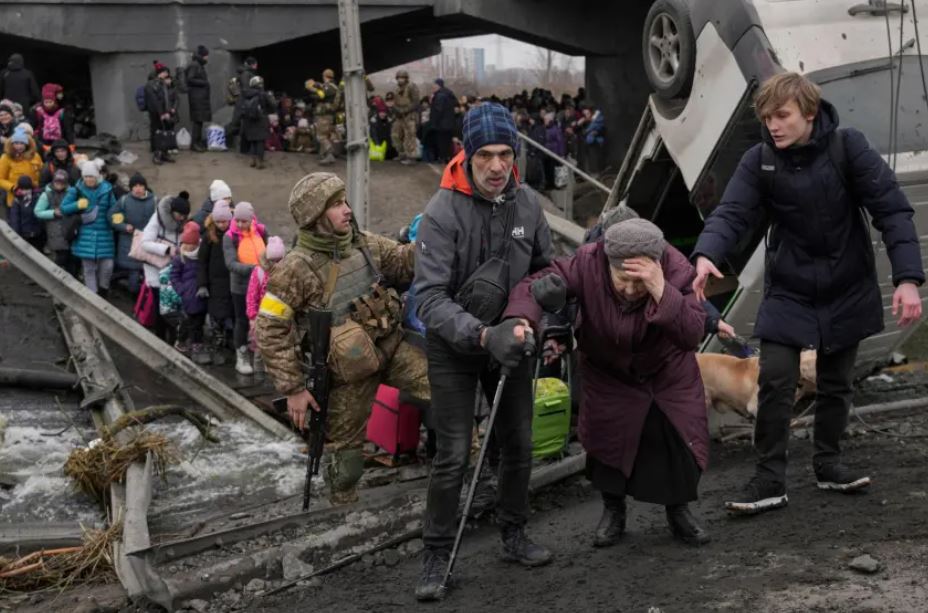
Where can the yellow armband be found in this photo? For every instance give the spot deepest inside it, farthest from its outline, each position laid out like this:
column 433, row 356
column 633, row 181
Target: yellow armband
column 272, row 306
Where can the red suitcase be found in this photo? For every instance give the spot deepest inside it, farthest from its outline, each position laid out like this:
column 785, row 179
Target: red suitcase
column 394, row 426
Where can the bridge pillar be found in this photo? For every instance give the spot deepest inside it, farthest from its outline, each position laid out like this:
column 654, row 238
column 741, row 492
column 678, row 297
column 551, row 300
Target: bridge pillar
column 115, row 76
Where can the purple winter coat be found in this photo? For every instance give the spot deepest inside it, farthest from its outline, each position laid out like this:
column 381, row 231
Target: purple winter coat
column 631, row 359
column 184, row 281
column 554, row 139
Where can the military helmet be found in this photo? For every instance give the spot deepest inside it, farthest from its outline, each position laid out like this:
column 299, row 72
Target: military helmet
column 402, row 74
column 328, row 73
column 310, row 196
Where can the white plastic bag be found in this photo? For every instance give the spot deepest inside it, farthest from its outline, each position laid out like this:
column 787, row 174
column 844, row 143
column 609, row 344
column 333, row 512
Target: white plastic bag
column 561, row 176
column 184, row 140
column 215, row 137
column 127, row 158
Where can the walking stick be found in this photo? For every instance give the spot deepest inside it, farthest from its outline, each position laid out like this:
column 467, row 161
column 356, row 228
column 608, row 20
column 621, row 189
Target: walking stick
column 504, row 374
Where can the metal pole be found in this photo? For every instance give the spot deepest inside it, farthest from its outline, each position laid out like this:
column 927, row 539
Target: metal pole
column 356, row 109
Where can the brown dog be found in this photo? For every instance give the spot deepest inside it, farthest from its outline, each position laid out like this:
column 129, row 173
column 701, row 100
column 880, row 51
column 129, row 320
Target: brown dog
column 731, row 383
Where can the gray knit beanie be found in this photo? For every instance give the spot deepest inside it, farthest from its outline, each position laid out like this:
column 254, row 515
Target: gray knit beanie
column 634, row 238
column 616, row 215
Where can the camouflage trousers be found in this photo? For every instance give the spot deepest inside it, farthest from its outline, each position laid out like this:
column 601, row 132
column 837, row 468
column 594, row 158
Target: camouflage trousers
column 349, row 409
column 325, row 133
column 403, row 135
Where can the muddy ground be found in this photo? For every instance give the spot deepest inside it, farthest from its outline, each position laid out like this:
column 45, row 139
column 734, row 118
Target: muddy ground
column 795, row 559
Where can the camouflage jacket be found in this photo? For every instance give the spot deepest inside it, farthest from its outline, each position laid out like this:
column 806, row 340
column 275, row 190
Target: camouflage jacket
column 406, row 100
column 293, row 287
column 324, row 97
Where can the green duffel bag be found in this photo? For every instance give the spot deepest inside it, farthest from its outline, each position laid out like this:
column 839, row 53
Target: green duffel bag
column 551, row 419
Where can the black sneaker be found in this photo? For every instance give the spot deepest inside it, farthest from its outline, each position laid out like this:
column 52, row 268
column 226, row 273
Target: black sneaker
column 758, row 495
column 517, row 547
column 434, row 564
column 839, row 478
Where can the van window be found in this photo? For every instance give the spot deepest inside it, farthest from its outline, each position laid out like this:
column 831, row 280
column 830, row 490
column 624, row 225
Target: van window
column 861, row 94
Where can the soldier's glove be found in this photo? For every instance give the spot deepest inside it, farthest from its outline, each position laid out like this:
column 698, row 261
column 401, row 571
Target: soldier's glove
column 501, row 342
column 550, row 292
column 203, row 292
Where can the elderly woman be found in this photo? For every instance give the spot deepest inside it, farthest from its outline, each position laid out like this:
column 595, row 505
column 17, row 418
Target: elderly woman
column 643, row 414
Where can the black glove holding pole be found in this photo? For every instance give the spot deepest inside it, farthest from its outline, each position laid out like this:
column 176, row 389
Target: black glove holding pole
column 501, row 342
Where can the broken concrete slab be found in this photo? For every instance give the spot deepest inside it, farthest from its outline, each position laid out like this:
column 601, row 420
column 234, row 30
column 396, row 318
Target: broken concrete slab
column 201, row 386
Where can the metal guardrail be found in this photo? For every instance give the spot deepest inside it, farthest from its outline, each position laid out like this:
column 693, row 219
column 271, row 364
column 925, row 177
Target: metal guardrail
column 199, row 385
column 562, row 198
column 564, row 161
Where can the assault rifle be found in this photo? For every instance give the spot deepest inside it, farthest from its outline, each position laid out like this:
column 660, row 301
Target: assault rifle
column 315, row 348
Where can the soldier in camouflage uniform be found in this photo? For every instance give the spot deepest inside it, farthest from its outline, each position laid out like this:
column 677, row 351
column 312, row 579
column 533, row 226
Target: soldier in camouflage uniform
column 406, row 110
column 337, row 267
column 324, row 96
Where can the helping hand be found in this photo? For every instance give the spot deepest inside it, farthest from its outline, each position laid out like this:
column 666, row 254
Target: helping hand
column 649, row 272
column 298, row 404
column 704, row 267
column 906, row 296
column 550, row 292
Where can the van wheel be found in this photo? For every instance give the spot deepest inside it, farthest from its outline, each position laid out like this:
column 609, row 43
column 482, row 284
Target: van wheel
column 669, row 48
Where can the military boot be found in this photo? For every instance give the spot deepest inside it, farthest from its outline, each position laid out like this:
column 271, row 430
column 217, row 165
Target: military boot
column 518, row 547
column 612, row 524
column 343, row 470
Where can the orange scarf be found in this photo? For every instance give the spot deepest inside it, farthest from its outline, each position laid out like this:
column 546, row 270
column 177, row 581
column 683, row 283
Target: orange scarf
column 250, row 247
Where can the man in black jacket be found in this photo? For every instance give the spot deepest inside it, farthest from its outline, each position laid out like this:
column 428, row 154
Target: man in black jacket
column 817, row 184
column 441, row 118
column 198, row 95
column 17, row 83
column 161, row 102
column 481, row 214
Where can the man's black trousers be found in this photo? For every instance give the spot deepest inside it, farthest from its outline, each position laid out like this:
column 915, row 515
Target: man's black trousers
column 453, row 378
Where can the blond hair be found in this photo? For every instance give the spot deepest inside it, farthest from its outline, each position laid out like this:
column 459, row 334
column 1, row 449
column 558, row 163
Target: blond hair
column 780, row 89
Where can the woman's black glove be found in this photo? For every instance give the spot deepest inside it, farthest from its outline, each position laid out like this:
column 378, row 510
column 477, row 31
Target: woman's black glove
column 550, row 292
column 501, row 342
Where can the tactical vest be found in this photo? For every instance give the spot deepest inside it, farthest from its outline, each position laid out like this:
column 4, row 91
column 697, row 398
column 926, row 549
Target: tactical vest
column 403, row 102
column 378, row 309
column 355, row 278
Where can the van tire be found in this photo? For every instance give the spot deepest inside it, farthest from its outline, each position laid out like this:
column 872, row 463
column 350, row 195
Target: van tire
column 669, row 48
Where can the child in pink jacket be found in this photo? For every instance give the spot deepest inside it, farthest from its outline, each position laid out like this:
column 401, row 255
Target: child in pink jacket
column 257, row 283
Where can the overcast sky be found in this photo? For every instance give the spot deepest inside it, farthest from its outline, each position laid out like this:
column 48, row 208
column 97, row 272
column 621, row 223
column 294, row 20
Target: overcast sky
column 515, row 54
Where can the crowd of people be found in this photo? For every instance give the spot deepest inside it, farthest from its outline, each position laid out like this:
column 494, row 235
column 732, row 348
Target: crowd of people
column 405, row 125
column 484, row 284
column 178, row 266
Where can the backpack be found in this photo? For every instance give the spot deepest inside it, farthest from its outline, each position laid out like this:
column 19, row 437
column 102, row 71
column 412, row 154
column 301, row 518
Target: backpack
column 180, row 79
column 51, row 125
column 233, row 91
column 140, row 98
column 252, row 108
